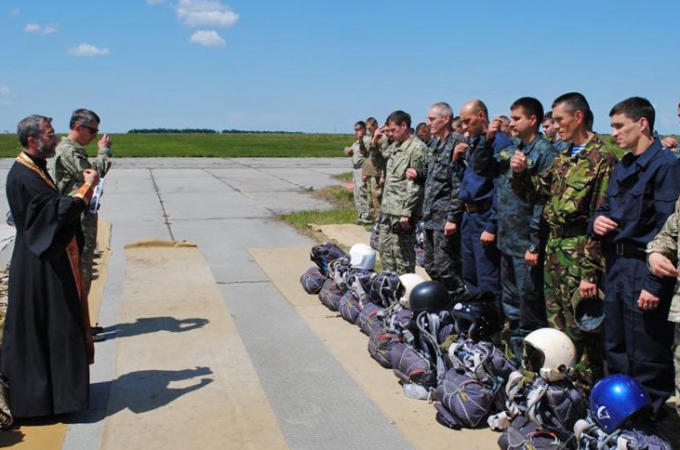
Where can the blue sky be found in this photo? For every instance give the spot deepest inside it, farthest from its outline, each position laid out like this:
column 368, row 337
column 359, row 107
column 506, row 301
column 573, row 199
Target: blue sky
column 320, row 66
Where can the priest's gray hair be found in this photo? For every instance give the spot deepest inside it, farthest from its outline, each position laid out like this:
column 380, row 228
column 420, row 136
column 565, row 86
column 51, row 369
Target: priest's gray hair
column 30, row 127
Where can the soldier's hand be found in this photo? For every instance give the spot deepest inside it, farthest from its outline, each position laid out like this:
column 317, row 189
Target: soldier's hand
column 586, row 289
column 669, row 142
column 349, row 151
column 494, row 127
column 411, row 173
column 405, row 223
column 91, row 177
column 518, row 162
column 662, row 266
column 648, row 301
column 381, row 181
column 487, row 238
column 105, row 142
column 450, row 228
column 603, row 225
column 459, row 150
column 531, row 259
column 364, row 178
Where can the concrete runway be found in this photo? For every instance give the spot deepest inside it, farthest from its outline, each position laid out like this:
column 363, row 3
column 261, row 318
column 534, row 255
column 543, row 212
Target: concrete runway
column 227, row 206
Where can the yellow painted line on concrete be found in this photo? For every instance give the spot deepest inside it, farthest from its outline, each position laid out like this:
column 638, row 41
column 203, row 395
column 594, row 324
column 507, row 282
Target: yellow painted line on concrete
column 183, row 378
column 415, row 419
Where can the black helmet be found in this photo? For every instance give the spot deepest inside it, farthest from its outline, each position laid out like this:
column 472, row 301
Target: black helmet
column 476, row 320
column 429, row 296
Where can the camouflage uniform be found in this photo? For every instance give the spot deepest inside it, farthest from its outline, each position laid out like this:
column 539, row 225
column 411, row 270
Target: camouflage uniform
column 520, row 229
column 572, row 190
column 69, row 163
column 372, row 169
column 360, row 192
column 401, row 198
column 666, row 243
column 442, row 178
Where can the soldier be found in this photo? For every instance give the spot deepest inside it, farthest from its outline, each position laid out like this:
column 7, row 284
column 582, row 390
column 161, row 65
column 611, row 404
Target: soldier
column 457, row 125
column 642, row 192
column 572, row 190
column 360, row 191
column 550, row 133
column 70, row 162
column 662, row 252
column 402, row 197
column 371, row 170
column 481, row 259
column 521, row 230
column 424, row 134
column 442, row 209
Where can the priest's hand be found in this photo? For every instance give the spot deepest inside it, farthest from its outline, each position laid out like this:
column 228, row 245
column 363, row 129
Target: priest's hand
column 91, row 177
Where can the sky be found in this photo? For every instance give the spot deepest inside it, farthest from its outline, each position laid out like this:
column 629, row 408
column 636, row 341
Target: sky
column 319, row 66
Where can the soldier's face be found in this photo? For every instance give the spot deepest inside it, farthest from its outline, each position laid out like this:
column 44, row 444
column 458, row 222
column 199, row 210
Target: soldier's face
column 548, row 128
column 398, row 133
column 436, row 122
column 473, row 121
column 522, row 125
column 424, row 134
column 566, row 122
column 626, row 131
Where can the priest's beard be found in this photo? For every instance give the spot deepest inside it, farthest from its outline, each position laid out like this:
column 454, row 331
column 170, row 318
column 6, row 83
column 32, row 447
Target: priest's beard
column 46, row 150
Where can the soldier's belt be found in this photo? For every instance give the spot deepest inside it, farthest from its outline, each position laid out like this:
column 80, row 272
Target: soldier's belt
column 627, row 250
column 473, row 208
column 568, row 231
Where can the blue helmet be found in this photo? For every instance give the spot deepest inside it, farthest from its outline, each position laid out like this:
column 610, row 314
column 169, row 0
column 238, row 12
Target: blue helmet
column 617, row 398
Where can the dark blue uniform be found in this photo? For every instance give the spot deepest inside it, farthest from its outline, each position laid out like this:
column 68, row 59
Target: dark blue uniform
column 641, row 195
column 480, row 262
column 520, row 229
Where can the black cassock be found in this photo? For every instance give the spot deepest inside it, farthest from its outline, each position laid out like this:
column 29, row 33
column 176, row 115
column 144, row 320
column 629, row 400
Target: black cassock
column 44, row 351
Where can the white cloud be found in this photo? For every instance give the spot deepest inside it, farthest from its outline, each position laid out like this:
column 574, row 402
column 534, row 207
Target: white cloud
column 37, row 28
column 51, row 28
column 201, row 13
column 15, row 12
column 207, row 38
column 87, row 50
column 4, row 90
column 32, row 28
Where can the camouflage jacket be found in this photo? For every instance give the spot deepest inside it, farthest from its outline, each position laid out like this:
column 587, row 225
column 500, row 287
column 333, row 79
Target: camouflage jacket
column 71, row 160
column 357, row 157
column 442, row 178
column 520, row 224
column 571, row 191
column 401, row 196
column 666, row 243
column 372, row 166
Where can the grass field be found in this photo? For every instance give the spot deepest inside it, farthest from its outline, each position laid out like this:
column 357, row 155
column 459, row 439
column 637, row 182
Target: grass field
column 262, row 145
column 212, row 145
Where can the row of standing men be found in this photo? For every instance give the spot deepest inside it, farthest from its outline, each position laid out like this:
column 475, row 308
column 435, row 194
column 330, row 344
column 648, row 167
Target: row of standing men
column 556, row 225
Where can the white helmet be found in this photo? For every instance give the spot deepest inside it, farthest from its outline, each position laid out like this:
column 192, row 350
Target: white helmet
column 409, row 281
column 550, row 353
column 362, row 256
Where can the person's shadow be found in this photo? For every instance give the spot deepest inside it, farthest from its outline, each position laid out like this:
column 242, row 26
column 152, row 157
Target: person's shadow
column 146, row 325
column 140, row 392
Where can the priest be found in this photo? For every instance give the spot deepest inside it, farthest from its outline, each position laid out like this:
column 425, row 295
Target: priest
column 47, row 342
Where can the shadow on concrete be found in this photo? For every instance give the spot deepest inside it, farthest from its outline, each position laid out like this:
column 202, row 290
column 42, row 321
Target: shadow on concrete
column 139, row 392
column 10, row 437
column 146, row 325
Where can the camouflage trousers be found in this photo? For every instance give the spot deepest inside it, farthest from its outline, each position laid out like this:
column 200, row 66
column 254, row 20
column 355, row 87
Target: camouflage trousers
column 89, row 226
column 360, row 197
column 676, row 361
column 397, row 250
column 442, row 260
column 562, row 276
column 374, row 197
